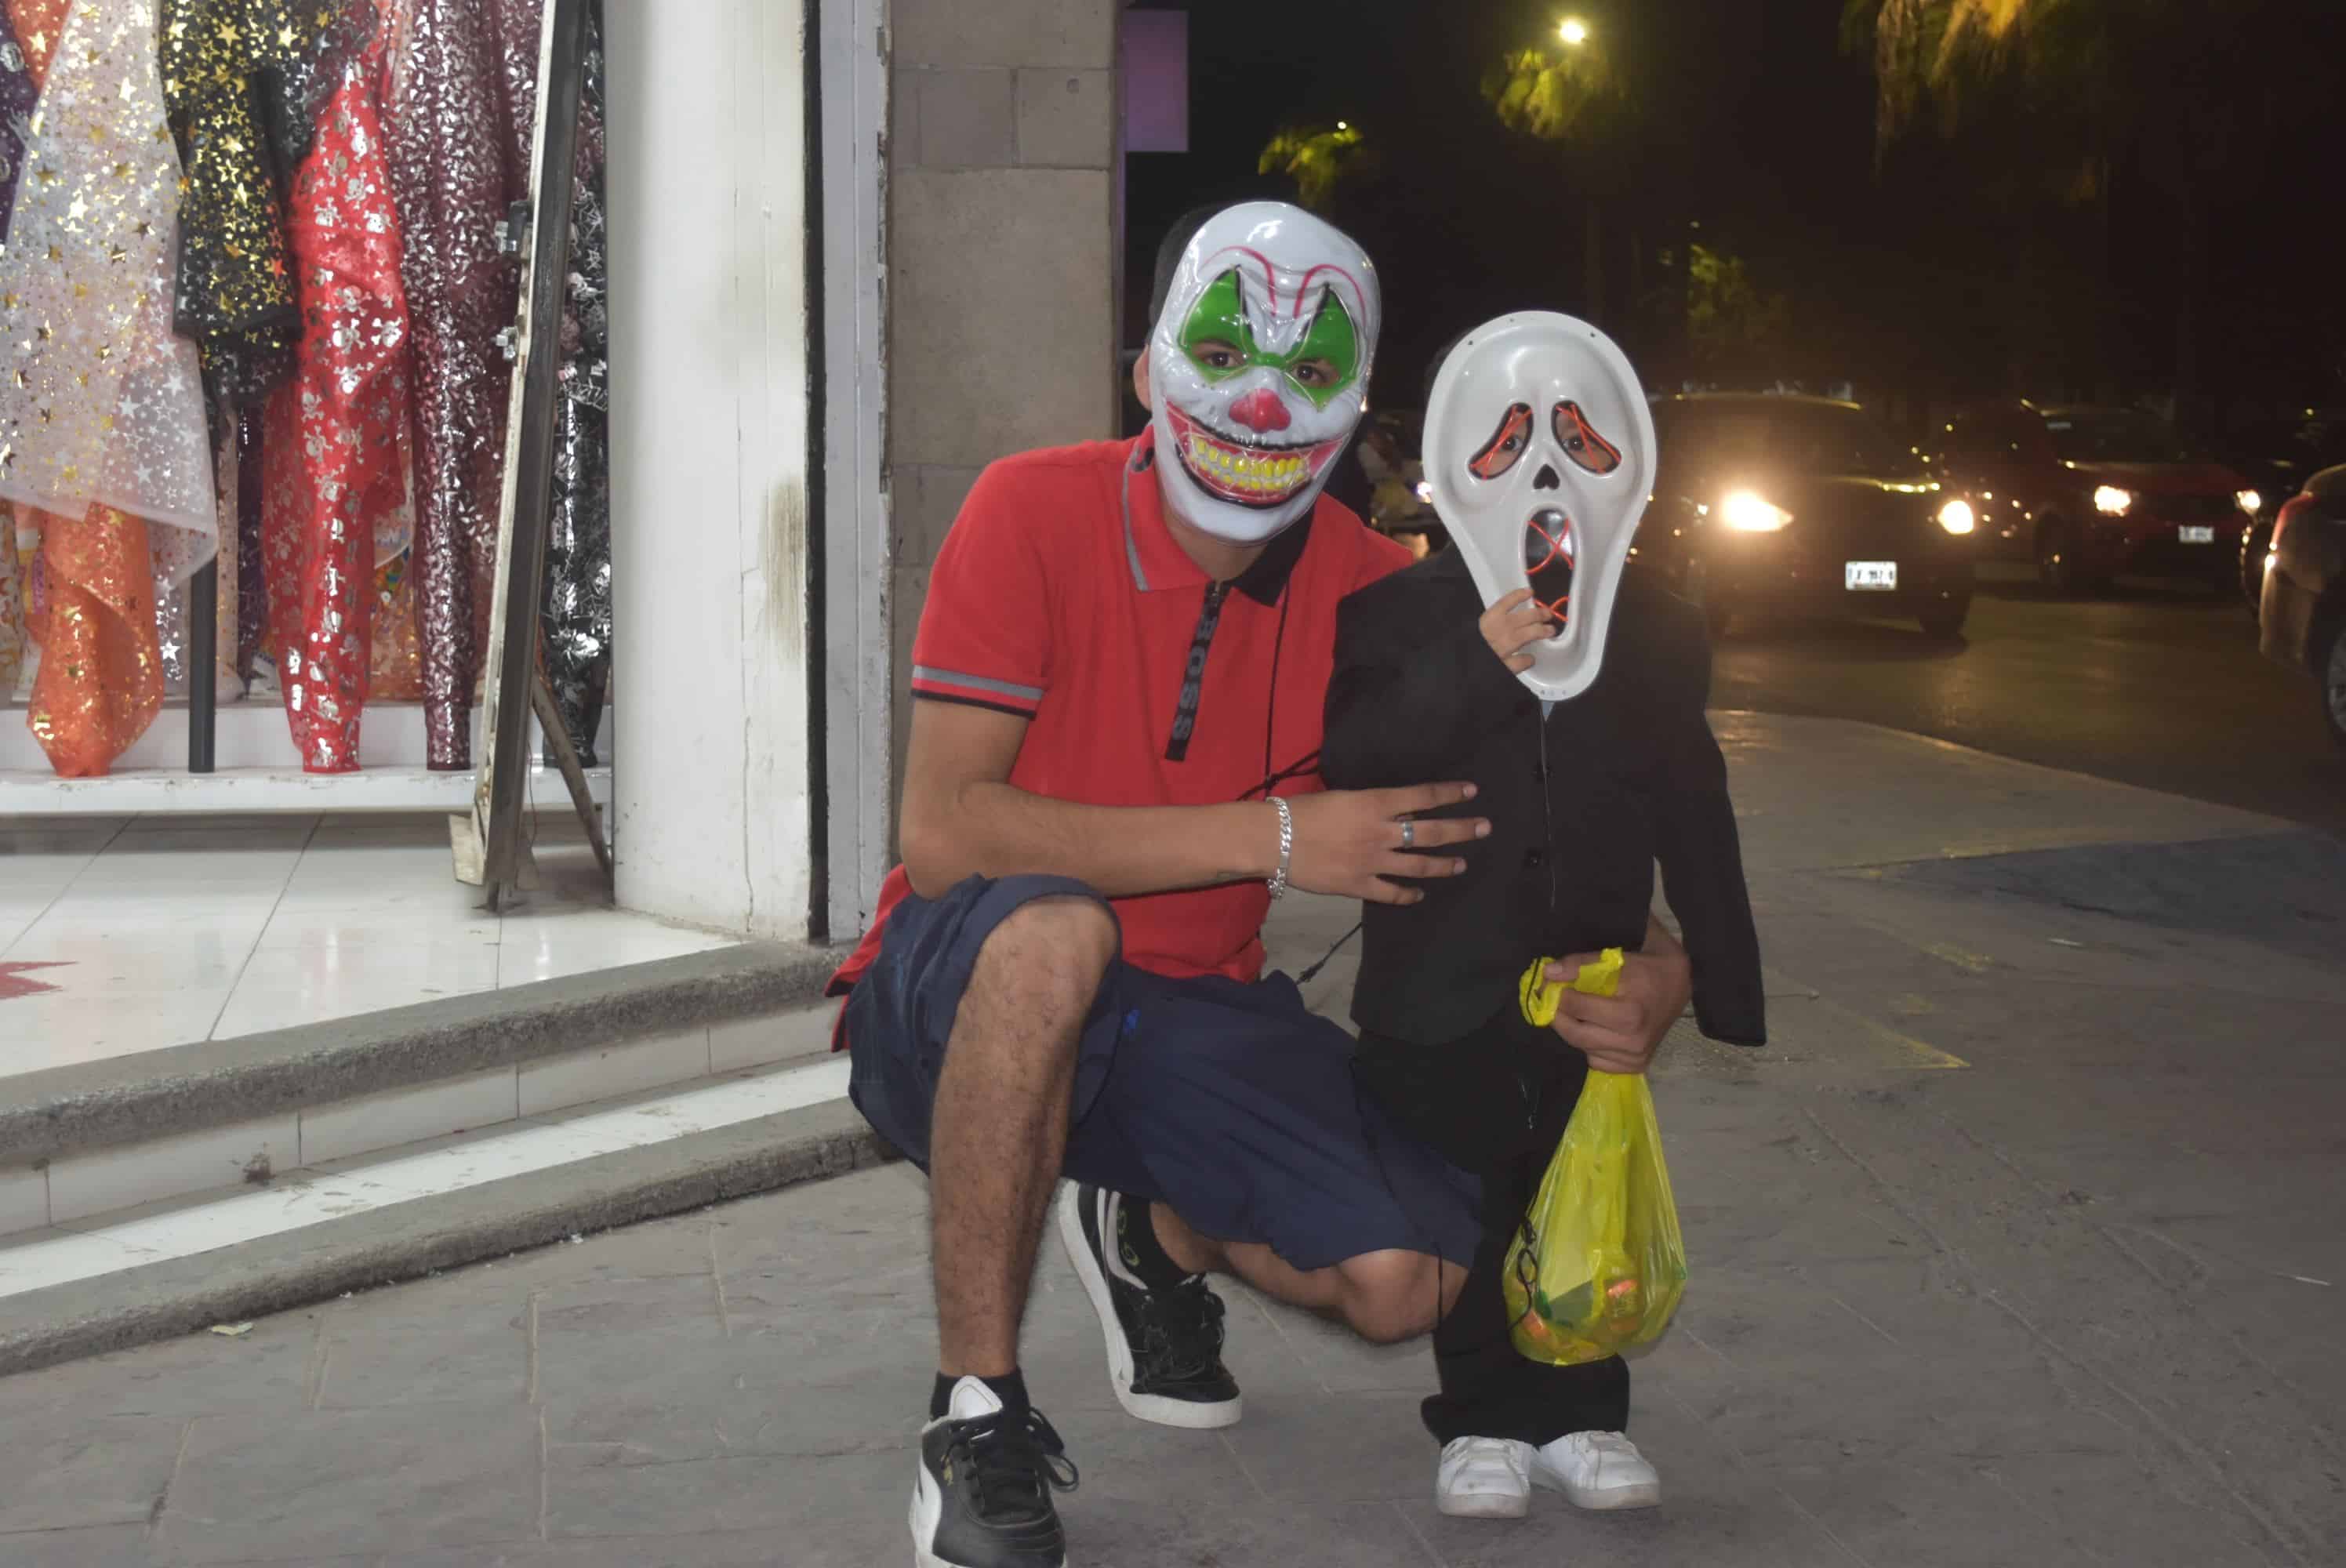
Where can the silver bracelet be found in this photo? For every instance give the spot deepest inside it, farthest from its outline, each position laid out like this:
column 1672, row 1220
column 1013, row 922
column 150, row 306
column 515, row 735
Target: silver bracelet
column 1277, row 883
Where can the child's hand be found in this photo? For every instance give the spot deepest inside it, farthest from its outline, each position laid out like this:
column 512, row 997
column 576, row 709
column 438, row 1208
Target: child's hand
column 1513, row 624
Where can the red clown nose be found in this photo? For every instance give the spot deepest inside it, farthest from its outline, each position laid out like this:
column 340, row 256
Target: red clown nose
column 1260, row 411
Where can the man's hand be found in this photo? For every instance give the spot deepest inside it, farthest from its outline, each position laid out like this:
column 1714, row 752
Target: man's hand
column 1351, row 841
column 1620, row 1033
column 1514, row 624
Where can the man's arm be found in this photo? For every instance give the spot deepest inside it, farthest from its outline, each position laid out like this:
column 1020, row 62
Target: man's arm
column 961, row 817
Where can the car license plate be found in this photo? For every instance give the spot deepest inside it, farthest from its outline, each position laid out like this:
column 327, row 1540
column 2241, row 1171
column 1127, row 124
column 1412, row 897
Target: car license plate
column 1876, row 576
column 2198, row 533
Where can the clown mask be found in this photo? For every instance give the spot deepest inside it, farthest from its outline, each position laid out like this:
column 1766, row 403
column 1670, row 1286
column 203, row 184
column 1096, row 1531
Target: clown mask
column 1540, row 451
column 1260, row 367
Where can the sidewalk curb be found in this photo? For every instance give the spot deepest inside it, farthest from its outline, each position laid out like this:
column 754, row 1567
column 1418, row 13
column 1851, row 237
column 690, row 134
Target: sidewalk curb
column 191, row 1088
column 405, row 1241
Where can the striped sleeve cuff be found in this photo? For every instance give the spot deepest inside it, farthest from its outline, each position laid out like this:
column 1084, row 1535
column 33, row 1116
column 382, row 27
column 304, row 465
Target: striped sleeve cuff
column 975, row 690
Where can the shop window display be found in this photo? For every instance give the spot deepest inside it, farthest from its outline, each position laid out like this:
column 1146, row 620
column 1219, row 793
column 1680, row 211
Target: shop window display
column 250, row 296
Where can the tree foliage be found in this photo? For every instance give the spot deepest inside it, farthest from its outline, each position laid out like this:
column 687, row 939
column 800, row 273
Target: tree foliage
column 1318, row 157
column 2054, row 62
column 1555, row 95
column 1730, row 320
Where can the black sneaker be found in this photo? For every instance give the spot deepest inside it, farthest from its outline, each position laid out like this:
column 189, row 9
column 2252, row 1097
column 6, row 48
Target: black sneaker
column 1164, row 1345
column 982, row 1497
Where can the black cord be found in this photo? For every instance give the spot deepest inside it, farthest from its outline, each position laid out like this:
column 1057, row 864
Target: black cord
column 1270, row 708
column 1325, row 959
column 1303, row 768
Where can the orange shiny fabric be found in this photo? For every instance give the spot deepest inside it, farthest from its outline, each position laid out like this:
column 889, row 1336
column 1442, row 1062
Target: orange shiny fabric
column 100, row 682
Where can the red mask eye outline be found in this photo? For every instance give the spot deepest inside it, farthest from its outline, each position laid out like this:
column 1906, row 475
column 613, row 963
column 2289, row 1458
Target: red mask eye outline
column 1581, row 443
column 1506, row 445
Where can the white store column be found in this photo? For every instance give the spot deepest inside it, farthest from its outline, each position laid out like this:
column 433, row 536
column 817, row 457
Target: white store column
column 707, row 192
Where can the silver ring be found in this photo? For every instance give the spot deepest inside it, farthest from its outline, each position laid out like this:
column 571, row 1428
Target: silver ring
column 1408, row 833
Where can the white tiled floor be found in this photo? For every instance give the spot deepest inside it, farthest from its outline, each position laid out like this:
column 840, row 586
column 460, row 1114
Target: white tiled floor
column 170, row 929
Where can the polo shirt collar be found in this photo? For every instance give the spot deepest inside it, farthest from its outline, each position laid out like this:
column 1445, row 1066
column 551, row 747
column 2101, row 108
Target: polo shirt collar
column 1157, row 560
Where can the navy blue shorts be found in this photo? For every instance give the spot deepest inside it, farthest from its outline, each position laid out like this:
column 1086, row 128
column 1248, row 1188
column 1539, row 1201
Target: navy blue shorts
column 1232, row 1104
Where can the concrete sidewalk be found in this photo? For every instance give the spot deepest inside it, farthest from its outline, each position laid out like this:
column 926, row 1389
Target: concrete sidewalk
column 2020, row 1245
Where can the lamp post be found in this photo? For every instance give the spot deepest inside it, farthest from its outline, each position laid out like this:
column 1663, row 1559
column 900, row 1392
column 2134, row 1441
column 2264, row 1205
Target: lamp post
column 1573, row 31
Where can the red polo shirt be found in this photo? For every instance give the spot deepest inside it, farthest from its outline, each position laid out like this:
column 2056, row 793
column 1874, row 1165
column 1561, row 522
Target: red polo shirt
column 1056, row 599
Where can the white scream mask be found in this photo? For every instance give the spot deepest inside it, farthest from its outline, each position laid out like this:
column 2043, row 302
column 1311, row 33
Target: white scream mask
column 1260, row 367
column 1540, row 450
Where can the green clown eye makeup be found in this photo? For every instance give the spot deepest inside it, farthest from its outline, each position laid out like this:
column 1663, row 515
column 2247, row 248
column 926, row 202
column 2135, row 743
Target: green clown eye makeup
column 1221, row 342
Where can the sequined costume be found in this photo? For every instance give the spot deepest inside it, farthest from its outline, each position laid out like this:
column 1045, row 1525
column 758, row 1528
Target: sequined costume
column 244, row 81
column 452, row 172
column 18, row 91
column 102, row 423
column 336, row 453
column 578, row 615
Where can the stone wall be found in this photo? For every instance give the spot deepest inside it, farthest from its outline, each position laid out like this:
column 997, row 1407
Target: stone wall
column 1001, row 325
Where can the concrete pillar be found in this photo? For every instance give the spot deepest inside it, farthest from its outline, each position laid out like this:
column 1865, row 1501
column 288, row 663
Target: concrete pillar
column 708, row 176
column 1001, row 329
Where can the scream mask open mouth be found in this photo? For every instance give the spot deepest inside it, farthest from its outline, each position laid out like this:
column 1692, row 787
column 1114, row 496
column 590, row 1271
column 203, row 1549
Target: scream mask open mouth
column 1245, row 473
column 1547, row 561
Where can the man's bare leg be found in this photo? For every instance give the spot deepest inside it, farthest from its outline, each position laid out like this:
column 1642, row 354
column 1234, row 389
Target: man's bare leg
column 1384, row 1297
column 998, row 1132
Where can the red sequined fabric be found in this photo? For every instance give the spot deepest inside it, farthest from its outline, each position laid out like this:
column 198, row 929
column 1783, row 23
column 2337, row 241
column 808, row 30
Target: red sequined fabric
column 336, row 454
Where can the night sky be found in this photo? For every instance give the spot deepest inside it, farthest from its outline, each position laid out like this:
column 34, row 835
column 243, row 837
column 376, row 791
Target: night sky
column 1945, row 274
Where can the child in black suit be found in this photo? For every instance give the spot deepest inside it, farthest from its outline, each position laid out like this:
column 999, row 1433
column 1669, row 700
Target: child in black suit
column 1584, row 796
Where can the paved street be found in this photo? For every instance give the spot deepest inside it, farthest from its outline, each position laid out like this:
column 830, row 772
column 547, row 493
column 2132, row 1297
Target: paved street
column 2018, row 1245
column 2158, row 685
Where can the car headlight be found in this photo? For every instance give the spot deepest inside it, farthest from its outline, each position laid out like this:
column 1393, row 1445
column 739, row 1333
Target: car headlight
column 2111, row 500
column 1748, row 514
column 2247, row 501
column 1956, row 517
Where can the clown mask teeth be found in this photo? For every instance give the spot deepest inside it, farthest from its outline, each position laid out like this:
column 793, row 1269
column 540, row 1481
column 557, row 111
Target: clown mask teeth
column 1248, row 475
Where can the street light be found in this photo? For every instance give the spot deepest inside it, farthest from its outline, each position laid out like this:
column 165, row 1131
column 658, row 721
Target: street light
column 1573, row 31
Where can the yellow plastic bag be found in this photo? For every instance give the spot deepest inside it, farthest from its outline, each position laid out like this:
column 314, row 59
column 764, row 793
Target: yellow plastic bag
column 1598, row 1266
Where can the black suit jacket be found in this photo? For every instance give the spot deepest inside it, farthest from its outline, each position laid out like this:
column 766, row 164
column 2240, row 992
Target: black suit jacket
column 1581, row 805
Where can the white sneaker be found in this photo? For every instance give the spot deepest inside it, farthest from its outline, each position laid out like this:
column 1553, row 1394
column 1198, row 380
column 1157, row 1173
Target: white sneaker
column 1483, row 1478
column 1597, row 1469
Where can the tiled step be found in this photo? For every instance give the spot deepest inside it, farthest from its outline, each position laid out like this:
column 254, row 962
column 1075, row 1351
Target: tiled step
column 82, row 1140
column 305, row 1235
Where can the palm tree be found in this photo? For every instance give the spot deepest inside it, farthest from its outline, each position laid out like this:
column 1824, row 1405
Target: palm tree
column 2172, row 92
column 1570, row 95
column 1318, row 157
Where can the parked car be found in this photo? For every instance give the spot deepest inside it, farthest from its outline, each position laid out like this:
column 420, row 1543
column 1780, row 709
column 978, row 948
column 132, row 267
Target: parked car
column 2278, row 457
column 1801, row 503
column 2090, row 493
column 2304, row 609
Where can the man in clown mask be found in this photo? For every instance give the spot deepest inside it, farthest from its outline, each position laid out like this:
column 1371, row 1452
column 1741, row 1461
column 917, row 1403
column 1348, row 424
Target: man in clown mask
column 1119, row 677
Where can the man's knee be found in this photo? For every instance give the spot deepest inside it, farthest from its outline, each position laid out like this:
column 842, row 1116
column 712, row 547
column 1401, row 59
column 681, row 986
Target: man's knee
column 1391, row 1297
column 1048, row 954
